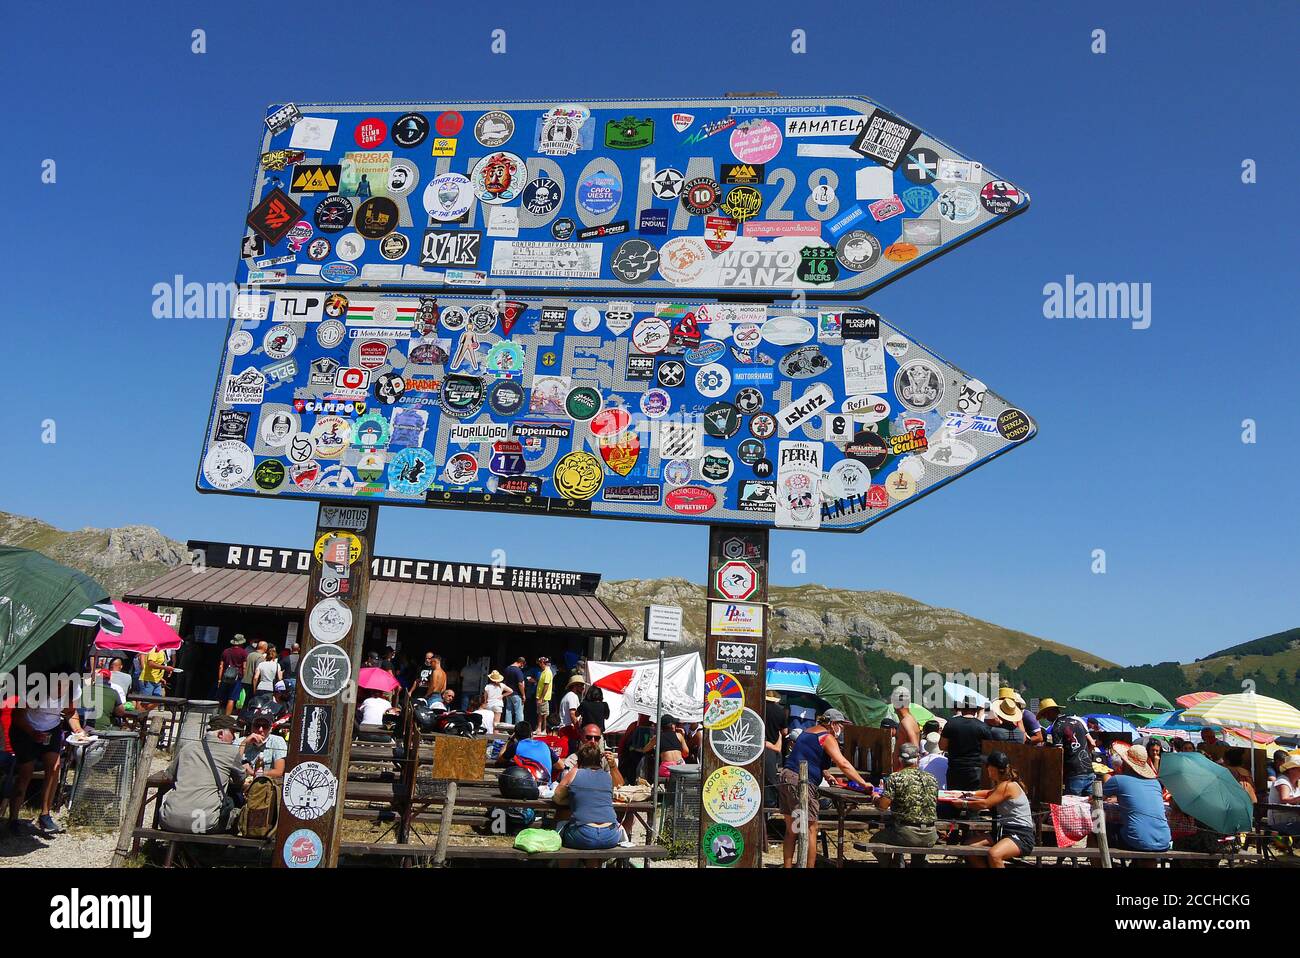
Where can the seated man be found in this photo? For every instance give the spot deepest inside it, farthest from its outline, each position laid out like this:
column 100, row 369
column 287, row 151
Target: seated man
column 262, row 753
column 101, row 703
column 590, row 735
column 203, row 772
column 525, row 751
column 913, row 797
column 446, row 702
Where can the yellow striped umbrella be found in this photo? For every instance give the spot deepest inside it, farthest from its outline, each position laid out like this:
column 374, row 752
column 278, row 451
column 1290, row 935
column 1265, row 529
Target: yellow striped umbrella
column 1247, row 710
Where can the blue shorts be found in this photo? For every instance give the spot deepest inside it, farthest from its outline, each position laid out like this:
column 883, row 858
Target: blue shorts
column 151, row 688
column 228, row 692
column 590, row 837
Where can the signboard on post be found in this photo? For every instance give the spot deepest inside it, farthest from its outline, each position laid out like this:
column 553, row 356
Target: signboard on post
column 315, row 778
column 571, row 309
column 731, row 826
column 663, row 623
column 827, row 196
column 684, row 411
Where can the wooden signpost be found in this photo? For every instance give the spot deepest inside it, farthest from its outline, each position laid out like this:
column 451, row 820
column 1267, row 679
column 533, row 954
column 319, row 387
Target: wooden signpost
column 735, row 663
column 320, row 740
column 645, row 368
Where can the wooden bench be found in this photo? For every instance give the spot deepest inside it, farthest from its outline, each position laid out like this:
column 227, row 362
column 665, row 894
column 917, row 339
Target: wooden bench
column 504, row 853
column 173, row 839
column 1042, row 853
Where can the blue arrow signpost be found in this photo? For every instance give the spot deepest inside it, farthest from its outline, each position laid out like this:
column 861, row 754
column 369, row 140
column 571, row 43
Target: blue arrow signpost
column 644, row 310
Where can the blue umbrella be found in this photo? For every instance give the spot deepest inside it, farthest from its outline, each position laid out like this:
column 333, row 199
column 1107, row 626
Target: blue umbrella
column 1173, row 722
column 1113, row 723
column 793, row 675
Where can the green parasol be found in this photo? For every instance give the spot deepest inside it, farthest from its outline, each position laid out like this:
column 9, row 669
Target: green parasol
column 1207, row 792
column 1133, row 695
column 38, row 598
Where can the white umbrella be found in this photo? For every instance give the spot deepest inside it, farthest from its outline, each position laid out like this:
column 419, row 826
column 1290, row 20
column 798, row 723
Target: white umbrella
column 960, row 694
column 1247, row 710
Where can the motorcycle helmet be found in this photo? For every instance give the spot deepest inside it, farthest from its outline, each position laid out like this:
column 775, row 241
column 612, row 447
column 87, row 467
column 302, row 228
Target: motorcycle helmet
column 425, row 717
column 518, row 783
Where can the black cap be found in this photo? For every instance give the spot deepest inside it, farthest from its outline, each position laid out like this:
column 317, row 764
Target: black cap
column 999, row 760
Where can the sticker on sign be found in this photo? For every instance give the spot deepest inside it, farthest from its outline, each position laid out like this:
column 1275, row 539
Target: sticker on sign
column 663, row 623
column 354, row 518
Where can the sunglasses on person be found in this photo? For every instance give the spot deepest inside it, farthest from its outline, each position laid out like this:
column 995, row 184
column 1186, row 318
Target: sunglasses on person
column 591, row 738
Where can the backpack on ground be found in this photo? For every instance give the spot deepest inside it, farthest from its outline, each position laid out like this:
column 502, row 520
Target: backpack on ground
column 261, row 811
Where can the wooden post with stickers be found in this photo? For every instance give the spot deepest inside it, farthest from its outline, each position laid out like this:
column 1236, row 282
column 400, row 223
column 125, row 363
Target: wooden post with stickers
column 735, row 683
column 320, row 739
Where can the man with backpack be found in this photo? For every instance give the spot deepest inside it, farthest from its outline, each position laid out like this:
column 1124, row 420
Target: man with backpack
column 1069, row 733
column 261, row 752
column 527, row 752
column 264, row 756
column 200, row 801
column 230, row 672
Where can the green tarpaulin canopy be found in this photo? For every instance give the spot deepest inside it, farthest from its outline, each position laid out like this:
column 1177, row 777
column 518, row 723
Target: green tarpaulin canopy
column 859, row 708
column 38, row 598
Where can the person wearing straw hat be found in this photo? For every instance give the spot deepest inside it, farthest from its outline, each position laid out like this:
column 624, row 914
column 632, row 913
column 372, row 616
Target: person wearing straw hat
column 1004, row 721
column 1285, row 790
column 1070, row 734
column 1028, row 719
column 1143, row 825
column 495, row 694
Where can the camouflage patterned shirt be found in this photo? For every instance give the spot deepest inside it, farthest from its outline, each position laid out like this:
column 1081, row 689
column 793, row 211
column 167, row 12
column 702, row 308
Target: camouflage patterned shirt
column 914, row 797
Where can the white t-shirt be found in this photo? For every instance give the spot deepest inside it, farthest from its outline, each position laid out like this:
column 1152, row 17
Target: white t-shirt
column 489, row 719
column 494, row 696
column 45, row 707
column 266, row 675
column 122, row 682
column 1281, row 787
column 373, row 710
column 570, row 701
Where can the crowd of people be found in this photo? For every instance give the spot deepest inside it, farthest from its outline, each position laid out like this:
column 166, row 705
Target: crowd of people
column 938, row 772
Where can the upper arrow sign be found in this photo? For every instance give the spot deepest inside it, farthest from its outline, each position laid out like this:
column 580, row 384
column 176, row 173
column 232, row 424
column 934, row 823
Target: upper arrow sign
column 761, row 198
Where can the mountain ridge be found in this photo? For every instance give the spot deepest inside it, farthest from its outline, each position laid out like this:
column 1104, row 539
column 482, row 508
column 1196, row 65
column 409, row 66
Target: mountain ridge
column 863, row 637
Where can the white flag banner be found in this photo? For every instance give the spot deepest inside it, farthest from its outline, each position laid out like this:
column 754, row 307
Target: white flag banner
column 630, row 688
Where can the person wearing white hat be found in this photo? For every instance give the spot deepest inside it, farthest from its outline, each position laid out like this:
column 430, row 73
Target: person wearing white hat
column 1285, row 790
column 1144, row 826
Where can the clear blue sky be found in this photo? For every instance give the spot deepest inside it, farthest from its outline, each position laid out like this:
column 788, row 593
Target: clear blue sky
column 1133, row 159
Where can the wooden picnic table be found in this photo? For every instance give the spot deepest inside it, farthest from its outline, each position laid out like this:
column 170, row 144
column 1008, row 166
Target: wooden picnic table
column 849, row 802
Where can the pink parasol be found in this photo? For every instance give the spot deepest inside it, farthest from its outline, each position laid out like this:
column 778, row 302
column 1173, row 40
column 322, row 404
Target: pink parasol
column 377, row 679
column 142, row 631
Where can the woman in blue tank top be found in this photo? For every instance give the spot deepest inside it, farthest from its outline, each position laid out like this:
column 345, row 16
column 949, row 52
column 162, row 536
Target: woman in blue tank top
column 588, row 790
column 818, row 746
